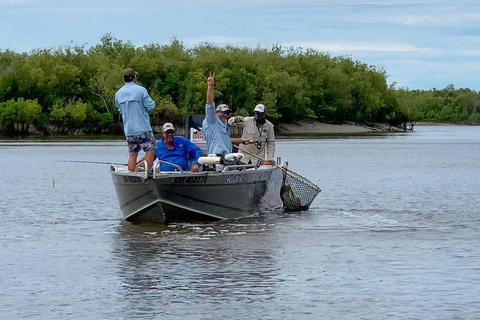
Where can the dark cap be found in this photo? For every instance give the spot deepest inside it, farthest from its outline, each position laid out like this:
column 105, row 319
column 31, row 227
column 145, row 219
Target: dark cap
column 129, row 72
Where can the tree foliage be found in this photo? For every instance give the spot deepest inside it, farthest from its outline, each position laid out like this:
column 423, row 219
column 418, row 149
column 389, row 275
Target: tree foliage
column 70, row 90
column 17, row 116
column 446, row 105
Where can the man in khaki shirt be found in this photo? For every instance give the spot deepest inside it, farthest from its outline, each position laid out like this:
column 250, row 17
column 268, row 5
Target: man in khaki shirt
column 258, row 129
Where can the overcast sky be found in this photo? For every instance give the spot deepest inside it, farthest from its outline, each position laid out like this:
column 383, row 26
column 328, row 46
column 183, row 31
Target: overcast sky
column 420, row 44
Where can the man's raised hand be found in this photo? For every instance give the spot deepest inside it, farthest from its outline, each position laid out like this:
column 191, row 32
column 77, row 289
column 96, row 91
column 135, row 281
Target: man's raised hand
column 211, row 79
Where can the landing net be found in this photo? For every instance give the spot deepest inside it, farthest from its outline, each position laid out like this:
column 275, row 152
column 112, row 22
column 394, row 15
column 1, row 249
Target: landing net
column 297, row 192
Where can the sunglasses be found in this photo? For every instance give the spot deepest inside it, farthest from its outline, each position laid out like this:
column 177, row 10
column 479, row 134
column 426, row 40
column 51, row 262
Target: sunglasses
column 169, row 132
column 257, row 112
column 225, row 112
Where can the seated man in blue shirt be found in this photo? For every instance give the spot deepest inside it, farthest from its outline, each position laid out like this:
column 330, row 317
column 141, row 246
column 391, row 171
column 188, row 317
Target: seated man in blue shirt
column 177, row 150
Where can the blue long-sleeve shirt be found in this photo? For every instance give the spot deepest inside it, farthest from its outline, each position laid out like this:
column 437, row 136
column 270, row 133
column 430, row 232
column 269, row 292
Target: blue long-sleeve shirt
column 217, row 133
column 183, row 149
column 133, row 102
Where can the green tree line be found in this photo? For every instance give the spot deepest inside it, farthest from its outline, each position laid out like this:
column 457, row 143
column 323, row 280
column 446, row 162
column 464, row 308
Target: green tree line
column 70, row 90
column 445, row 105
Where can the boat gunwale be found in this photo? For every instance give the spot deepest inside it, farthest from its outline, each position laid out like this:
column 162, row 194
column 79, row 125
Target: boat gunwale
column 169, row 174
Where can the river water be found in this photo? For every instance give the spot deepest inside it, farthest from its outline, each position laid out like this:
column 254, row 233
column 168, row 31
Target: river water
column 395, row 233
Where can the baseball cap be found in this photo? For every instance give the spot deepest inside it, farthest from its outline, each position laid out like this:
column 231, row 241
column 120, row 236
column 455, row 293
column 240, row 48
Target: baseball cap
column 222, row 107
column 129, row 72
column 260, row 108
column 168, row 126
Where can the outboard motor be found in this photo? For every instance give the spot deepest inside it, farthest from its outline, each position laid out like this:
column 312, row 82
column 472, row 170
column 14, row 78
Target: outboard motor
column 232, row 159
column 209, row 163
column 215, row 163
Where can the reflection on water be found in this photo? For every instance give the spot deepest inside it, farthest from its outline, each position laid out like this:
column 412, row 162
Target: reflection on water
column 164, row 265
column 394, row 233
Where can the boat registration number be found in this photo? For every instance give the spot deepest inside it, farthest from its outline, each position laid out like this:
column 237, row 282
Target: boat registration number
column 132, row 179
column 201, row 179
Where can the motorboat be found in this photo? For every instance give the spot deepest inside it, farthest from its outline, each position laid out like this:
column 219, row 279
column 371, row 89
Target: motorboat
column 224, row 189
column 221, row 191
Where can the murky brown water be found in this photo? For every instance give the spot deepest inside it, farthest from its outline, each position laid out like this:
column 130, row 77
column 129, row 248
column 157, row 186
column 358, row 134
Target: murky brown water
column 394, row 233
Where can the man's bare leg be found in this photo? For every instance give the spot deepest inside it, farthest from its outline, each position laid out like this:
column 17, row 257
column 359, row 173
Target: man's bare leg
column 132, row 161
column 150, row 157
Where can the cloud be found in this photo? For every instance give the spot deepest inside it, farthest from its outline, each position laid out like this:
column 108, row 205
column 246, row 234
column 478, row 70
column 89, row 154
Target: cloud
column 26, row 7
column 421, row 16
column 7, row 3
column 469, row 53
column 444, row 18
column 360, row 47
column 193, row 41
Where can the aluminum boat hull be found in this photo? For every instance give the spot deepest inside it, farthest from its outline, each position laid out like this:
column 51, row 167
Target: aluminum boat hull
column 203, row 196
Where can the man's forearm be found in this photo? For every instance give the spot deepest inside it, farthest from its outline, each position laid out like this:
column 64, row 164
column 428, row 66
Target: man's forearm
column 210, row 92
column 236, row 121
column 237, row 140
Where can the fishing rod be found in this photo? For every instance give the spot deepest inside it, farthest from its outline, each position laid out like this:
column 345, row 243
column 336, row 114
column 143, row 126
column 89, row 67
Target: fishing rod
column 94, row 162
column 265, row 160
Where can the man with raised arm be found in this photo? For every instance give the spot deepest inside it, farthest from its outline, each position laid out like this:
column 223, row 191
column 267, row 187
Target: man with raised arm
column 133, row 102
column 217, row 133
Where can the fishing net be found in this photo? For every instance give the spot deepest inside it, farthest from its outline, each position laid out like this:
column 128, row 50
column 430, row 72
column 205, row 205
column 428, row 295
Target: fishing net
column 297, row 192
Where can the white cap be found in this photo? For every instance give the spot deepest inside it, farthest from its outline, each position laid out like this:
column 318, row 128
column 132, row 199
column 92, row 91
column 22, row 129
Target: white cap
column 260, row 108
column 168, row 126
column 222, row 107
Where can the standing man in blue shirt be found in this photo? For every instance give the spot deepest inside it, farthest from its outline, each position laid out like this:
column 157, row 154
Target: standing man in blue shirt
column 177, row 150
column 133, row 102
column 217, row 133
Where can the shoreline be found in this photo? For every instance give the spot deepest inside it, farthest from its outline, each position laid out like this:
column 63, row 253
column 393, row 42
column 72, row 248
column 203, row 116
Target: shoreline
column 299, row 129
column 312, row 127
